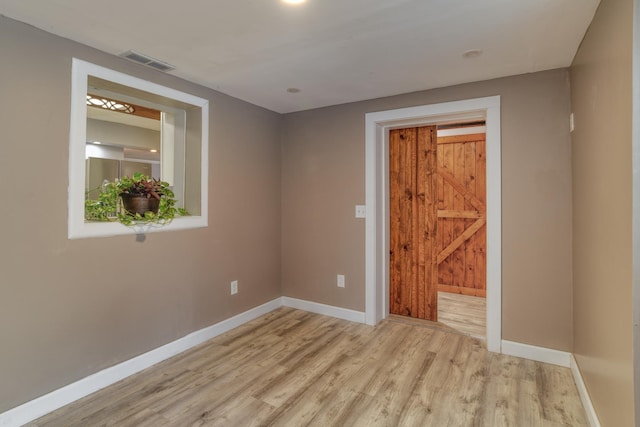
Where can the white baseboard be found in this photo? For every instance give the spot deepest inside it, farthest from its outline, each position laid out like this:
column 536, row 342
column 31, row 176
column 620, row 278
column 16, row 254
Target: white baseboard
column 560, row 358
column 56, row 399
column 592, row 416
column 327, row 310
column 539, row 354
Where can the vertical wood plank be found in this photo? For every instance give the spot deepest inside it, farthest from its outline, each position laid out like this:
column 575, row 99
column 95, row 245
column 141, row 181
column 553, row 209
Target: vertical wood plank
column 458, row 224
column 441, row 206
column 481, row 170
column 411, row 286
column 480, row 278
column 402, row 173
column 423, row 240
column 470, row 185
column 447, row 230
column 395, row 258
column 428, row 196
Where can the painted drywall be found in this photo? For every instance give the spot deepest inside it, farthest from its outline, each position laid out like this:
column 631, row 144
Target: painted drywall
column 636, row 204
column 602, row 214
column 323, row 179
column 69, row 308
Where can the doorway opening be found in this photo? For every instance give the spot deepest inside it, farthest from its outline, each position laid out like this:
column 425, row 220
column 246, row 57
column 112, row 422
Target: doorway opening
column 437, row 234
column 461, row 234
column 378, row 125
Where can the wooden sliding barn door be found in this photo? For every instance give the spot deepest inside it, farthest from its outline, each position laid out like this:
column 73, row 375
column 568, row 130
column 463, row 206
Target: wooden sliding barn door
column 413, row 222
column 462, row 214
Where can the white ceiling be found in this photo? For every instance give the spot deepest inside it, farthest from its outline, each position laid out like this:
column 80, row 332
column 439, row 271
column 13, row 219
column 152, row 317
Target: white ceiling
column 334, row 51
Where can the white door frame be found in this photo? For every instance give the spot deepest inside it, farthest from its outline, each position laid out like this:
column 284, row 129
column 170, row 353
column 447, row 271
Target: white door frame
column 377, row 200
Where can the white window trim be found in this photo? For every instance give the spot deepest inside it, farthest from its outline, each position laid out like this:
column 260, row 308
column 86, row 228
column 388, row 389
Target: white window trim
column 77, row 226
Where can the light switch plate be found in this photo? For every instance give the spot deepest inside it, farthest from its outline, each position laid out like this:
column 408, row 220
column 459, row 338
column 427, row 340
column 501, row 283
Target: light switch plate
column 361, row 211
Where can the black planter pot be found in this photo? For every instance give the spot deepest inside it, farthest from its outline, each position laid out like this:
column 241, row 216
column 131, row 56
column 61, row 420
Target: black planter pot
column 139, row 203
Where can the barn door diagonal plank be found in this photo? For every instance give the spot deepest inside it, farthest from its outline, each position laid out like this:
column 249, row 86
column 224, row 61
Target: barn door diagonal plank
column 480, row 222
column 468, row 196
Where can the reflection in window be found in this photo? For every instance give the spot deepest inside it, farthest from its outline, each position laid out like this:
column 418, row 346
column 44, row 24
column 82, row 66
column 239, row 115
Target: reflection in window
column 120, row 145
column 142, row 132
column 109, row 104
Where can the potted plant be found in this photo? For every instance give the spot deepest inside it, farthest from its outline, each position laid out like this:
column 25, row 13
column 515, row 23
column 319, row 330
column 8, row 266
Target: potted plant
column 139, row 199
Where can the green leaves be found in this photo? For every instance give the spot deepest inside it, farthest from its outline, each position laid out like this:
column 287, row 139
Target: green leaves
column 108, row 206
column 143, row 185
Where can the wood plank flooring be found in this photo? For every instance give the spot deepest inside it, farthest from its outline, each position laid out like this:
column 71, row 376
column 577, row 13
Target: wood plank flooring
column 464, row 313
column 293, row 368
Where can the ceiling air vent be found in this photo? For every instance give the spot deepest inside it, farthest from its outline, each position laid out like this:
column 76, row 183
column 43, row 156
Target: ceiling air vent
column 147, row 60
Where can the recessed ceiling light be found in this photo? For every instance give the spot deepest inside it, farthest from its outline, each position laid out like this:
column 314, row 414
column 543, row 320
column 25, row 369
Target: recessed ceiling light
column 154, row 151
column 293, row 90
column 293, row 1
column 96, row 142
column 473, row 53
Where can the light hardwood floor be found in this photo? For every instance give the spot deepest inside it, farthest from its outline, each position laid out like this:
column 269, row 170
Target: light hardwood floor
column 464, row 313
column 293, row 368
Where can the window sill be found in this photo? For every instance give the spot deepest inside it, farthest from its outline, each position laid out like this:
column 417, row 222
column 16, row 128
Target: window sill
column 106, row 229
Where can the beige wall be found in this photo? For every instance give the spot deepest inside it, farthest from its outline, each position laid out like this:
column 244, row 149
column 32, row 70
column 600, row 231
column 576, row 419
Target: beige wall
column 601, row 102
column 636, row 206
column 323, row 179
column 69, row 308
